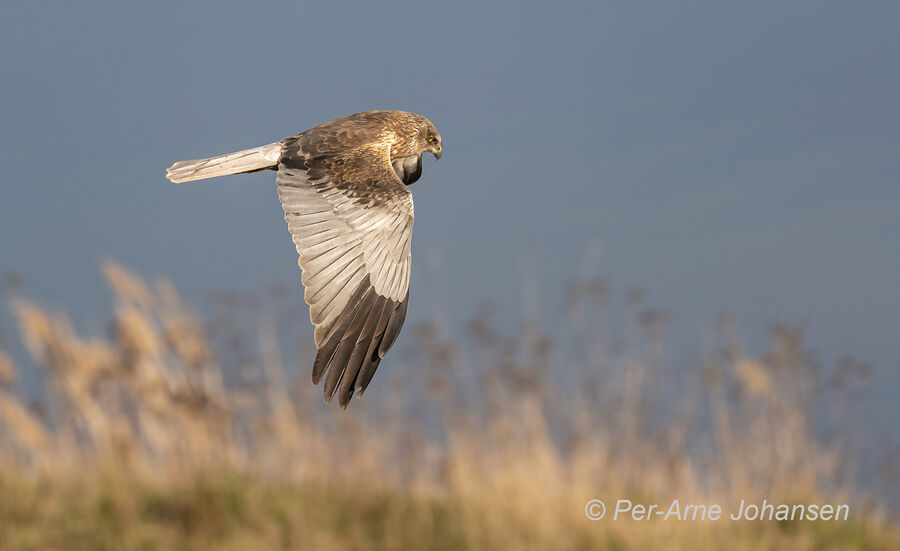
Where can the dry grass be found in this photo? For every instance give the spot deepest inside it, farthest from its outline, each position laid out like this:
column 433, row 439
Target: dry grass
column 148, row 440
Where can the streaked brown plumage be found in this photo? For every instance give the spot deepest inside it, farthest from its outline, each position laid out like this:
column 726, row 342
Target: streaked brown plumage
column 343, row 188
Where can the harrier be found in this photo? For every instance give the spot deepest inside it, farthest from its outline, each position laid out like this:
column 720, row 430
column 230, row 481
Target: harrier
column 343, row 187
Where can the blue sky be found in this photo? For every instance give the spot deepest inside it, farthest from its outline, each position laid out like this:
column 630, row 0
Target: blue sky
column 726, row 157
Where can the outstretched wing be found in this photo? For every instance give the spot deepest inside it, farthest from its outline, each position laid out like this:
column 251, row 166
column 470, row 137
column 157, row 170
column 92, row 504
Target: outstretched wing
column 351, row 218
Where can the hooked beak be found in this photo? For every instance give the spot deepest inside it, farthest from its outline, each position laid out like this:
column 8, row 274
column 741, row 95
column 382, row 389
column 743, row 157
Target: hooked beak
column 437, row 154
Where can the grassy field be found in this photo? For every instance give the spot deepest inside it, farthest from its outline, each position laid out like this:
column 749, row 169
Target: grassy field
column 172, row 433
column 227, row 511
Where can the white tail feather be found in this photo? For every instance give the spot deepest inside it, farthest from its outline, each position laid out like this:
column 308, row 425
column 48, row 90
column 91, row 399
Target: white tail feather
column 248, row 160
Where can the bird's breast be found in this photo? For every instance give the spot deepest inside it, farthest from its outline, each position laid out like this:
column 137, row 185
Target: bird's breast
column 408, row 169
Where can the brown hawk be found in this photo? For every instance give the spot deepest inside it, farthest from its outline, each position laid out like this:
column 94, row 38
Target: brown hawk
column 343, row 188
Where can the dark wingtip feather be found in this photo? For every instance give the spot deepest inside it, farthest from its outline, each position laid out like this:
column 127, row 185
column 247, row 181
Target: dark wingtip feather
column 318, row 369
column 323, row 356
column 336, row 332
column 393, row 328
column 368, row 340
column 354, row 364
column 365, row 377
column 336, row 372
column 343, row 356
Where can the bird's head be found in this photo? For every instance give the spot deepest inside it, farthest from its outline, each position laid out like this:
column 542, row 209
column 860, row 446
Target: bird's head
column 430, row 140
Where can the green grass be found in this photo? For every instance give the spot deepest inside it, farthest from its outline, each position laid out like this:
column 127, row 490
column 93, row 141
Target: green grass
column 222, row 512
column 234, row 512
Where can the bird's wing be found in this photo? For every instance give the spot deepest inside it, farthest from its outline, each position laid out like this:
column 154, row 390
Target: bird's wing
column 351, row 218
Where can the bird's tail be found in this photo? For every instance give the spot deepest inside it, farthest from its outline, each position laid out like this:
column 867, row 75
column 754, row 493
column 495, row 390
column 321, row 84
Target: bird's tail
column 248, row 160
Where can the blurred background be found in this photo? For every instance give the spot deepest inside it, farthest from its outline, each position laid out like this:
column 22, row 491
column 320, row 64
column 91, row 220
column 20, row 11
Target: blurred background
column 662, row 239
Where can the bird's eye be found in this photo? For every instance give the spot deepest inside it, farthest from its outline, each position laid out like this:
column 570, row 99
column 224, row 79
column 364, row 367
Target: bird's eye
column 431, row 139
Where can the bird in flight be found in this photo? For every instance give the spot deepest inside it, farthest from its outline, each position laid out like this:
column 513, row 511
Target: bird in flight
column 343, row 187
